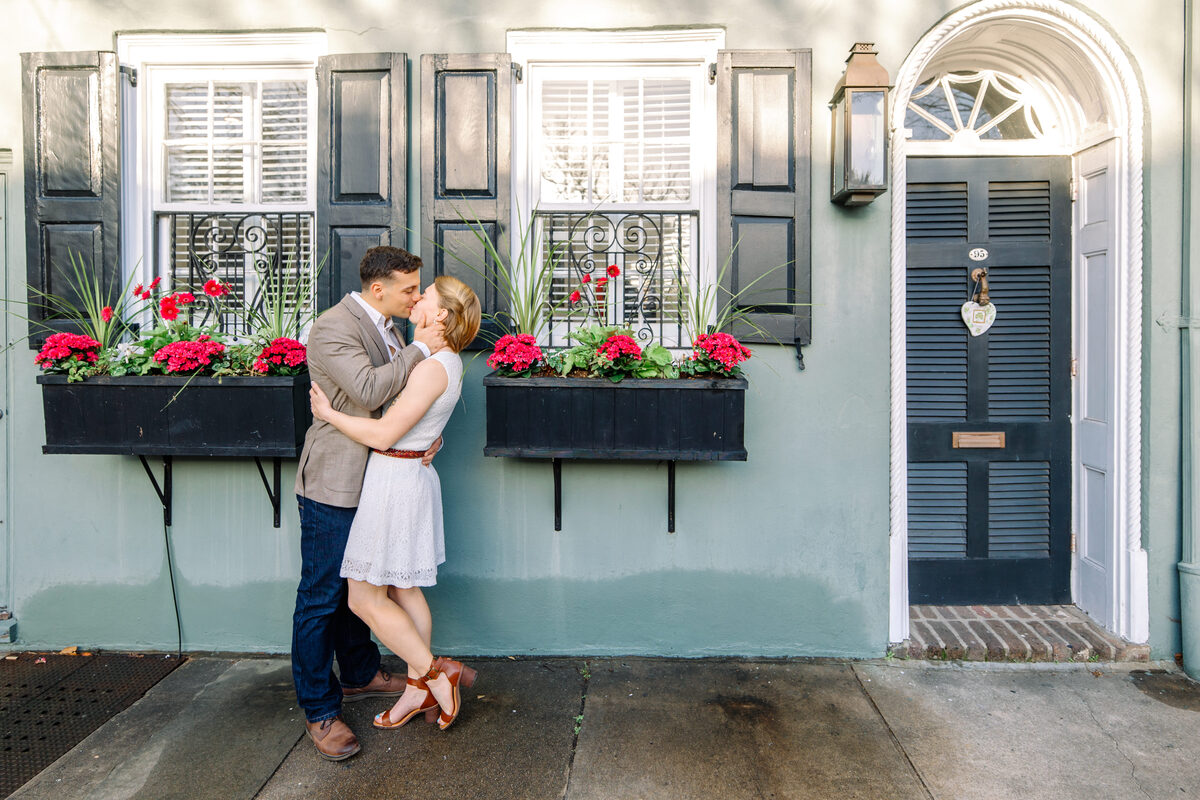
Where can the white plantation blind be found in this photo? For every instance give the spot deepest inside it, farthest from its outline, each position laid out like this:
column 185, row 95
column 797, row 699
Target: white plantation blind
column 236, row 141
column 617, row 140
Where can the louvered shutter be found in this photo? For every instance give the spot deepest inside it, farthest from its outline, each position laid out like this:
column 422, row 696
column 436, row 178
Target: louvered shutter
column 466, row 169
column 362, row 167
column 72, row 174
column 763, row 179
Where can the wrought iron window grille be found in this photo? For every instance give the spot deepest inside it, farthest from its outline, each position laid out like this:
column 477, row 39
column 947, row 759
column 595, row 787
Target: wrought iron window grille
column 653, row 251
column 257, row 255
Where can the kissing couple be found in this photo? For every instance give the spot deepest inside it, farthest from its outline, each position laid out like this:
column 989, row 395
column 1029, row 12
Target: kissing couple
column 370, row 500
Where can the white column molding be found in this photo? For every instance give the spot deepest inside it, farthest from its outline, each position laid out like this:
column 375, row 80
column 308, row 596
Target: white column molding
column 1081, row 32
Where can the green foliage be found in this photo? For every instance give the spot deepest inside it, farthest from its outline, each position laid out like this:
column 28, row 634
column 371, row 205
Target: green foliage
column 655, row 361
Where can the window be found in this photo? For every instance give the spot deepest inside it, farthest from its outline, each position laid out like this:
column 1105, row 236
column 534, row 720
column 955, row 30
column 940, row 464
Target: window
column 614, row 144
column 227, row 147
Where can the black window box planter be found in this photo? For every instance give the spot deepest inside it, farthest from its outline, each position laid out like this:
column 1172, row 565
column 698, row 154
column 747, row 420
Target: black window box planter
column 261, row 417
column 688, row 419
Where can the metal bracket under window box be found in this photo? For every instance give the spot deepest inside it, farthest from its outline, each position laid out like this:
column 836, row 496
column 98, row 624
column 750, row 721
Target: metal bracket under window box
column 165, row 495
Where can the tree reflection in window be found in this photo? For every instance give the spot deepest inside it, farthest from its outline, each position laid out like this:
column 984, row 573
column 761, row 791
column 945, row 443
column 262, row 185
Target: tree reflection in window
column 984, row 105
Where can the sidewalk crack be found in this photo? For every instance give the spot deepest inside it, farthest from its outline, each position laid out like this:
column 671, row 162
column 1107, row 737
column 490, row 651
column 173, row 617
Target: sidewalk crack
column 583, row 693
column 1113, row 739
column 892, row 734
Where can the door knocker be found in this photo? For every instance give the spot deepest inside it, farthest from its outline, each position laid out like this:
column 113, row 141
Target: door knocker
column 978, row 313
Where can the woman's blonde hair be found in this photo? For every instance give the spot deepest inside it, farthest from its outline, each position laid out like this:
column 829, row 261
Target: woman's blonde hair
column 463, row 311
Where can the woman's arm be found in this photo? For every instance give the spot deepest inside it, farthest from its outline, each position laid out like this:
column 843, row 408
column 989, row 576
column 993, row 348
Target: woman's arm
column 426, row 383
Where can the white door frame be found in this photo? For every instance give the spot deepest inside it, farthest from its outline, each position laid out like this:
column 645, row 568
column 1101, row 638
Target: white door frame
column 1088, row 37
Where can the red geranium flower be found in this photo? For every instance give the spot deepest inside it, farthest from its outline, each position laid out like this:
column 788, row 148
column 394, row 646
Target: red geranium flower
column 722, row 351
column 189, row 356
column 282, row 356
column 60, row 348
column 514, row 354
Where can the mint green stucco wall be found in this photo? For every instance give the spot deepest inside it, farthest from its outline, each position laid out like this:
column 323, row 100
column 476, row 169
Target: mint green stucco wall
column 784, row 554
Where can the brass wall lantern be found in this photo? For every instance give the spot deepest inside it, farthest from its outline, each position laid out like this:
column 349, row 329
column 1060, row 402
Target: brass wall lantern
column 859, row 104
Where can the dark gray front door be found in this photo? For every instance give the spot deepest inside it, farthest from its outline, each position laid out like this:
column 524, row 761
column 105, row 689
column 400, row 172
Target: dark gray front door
column 989, row 429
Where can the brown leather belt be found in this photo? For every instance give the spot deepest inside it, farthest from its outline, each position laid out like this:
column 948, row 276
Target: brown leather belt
column 400, row 453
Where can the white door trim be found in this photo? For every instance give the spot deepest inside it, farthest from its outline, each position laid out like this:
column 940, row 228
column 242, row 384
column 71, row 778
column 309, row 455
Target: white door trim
column 1089, row 37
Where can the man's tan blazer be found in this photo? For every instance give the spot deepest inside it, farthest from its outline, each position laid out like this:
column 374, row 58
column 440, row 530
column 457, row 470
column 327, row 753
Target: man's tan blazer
column 349, row 361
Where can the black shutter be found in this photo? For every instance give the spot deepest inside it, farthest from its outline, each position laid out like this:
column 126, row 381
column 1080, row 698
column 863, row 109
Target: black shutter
column 763, row 203
column 362, row 163
column 466, row 168
column 72, row 174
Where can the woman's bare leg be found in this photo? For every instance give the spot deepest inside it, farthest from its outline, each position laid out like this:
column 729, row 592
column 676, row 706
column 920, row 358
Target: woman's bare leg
column 399, row 632
column 412, row 601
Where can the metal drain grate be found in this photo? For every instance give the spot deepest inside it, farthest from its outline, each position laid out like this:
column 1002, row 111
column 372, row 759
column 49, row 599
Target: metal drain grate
column 48, row 708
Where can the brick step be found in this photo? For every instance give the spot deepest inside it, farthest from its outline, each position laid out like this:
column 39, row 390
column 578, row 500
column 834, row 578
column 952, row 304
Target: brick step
column 1012, row 633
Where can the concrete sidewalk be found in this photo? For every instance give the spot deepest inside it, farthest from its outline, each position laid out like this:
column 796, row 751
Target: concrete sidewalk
column 659, row 728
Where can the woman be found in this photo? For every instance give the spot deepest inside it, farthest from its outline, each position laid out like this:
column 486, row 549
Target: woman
column 396, row 540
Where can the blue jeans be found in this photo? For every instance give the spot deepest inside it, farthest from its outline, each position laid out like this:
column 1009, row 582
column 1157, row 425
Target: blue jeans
column 323, row 625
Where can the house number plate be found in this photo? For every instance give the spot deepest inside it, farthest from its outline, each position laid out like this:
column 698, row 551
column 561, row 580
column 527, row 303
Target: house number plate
column 978, row 254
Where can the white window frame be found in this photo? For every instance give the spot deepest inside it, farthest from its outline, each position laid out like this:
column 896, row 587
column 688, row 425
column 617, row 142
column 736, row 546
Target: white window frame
column 154, row 56
column 546, row 54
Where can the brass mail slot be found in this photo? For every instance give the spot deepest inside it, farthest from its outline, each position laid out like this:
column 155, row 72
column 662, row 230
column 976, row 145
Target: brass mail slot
column 978, row 439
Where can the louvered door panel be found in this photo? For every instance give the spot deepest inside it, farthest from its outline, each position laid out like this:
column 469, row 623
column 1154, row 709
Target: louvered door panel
column 936, row 211
column 1019, row 509
column 1019, row 210
column 1018, row 387
column 937, row 346
column 937, row 510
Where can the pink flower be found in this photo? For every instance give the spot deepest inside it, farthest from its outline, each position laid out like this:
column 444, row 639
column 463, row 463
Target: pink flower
column 167, row 308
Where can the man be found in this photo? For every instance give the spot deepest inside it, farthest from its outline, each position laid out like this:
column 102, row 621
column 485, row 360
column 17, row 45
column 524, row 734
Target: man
column 359, row 359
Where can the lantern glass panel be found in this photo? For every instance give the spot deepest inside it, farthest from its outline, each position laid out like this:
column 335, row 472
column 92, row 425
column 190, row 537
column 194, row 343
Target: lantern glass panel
column 866, row 167
column 839, row 147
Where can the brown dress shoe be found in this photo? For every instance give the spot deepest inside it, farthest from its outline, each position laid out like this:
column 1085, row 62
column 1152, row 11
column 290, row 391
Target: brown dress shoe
column 384, row 684
column 333, row 738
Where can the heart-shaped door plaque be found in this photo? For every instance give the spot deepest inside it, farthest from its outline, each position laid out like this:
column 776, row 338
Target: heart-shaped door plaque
column 978, row 317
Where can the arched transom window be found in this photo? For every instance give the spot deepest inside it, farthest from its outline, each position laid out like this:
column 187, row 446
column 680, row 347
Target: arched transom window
column 966, row 107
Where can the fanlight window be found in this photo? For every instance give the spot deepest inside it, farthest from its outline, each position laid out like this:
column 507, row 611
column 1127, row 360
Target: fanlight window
column 983, row 105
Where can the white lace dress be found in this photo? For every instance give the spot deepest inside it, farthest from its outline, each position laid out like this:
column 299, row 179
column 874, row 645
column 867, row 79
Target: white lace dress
column 396, row 538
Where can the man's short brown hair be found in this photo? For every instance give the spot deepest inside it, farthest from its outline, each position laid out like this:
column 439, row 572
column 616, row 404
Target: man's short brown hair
column 379, row 263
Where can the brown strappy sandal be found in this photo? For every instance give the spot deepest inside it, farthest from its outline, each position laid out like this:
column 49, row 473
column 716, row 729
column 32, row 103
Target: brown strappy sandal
column 384, row 721
column 456, row 673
